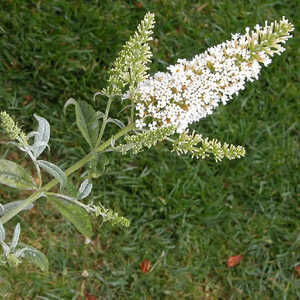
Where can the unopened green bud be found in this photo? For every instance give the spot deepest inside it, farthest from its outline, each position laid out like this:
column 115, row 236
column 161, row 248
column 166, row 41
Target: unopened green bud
column 109, row 215
column 188, row 144
column 130, row 67
column 12, row 129
column 147, row 139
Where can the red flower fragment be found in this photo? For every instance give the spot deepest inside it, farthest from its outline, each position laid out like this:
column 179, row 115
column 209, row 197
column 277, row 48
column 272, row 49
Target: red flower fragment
column 297, row 270
column 234, row 260
column 90, row 297
column 145, row 266
column 138, row 4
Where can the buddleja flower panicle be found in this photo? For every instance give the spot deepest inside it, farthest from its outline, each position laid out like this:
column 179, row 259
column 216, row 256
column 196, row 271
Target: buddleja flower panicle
column 131, row 65
column 12, row 129
column 188, row 143
column 191, row 90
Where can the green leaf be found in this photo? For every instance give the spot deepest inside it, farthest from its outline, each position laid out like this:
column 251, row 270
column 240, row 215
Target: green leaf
column 74, row 214
column 85, row 189
column 42, row 136
column 53, row 170
column 11, row 205
column 36, row 257
column 86, row 120
column 2, row 233
column 15, row 176
column 15, row 238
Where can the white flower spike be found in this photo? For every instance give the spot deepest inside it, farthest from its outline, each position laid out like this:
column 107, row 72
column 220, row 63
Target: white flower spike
column 191, row 90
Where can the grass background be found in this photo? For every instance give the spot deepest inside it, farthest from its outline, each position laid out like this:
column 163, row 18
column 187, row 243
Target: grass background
column 197, row 213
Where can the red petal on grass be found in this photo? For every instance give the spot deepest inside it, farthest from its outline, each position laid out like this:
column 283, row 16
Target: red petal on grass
column 28, row 98
column 90, row 297
column 138, row 4
column 297, row 269
column 145, row 266
column 234, row 260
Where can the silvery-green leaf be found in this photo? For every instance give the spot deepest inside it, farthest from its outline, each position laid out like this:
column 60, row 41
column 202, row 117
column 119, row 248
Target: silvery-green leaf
column 41, row 139
column 85, row 189
column 24, row 149
column 35, row 148
column 8, row 206
column 95, row 95
column 31, row 134
column 36, row 257
column 112, row 142
column 5, row 248
column 21, row 252
column 86, row 120
column 116, row 122
column 15, row 238
column 2, row 210
column 74, row 214
column 15, row 176
column 100, row 115
column 53, row 170
column 83, row 185
column 2, row 233
column 69, row 102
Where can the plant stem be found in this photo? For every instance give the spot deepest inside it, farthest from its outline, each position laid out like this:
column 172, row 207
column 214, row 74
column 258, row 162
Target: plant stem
column 132, row 112
column 75, row 201
column 37, row 167
column 104, row 121
column 68, row 172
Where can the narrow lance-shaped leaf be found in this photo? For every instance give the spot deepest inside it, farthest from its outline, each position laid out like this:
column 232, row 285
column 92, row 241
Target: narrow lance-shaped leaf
column 100, row 115
column 9, row 206
column 15, row 176
column 116, row 122
column 74, row 214
column 2, row 233
column 41, row 138
column 85, row 189
column 53, row 170
column 2, row 210
column 5, row 248
column 86, row 120
column 15, row 238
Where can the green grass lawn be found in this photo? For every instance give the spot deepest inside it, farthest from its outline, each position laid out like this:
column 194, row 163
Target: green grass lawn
column 187, row 216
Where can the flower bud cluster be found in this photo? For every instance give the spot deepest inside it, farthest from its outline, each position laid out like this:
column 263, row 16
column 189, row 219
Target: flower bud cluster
column 191, row 90
column 147, row 139
column 110, row 216
column 12, row 129
column 188, row 144
column 130, row 66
